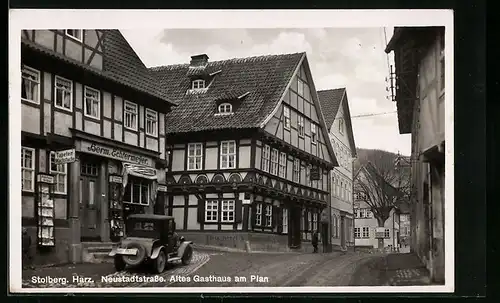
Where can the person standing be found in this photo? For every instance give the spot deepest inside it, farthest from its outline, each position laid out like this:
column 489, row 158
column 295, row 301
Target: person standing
column 315, row 241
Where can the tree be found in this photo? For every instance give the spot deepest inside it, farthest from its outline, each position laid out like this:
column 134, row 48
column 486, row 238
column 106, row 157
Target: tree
column 377, row 181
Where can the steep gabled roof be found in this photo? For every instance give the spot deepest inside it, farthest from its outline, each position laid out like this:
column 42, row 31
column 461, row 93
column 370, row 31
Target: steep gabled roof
column 330, row 101
column 263, row 79
column 123, row 64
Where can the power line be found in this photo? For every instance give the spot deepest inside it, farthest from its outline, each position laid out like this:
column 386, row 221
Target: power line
column 371, row 115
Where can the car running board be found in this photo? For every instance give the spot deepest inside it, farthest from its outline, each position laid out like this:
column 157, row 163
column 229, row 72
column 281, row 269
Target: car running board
column 174, row 259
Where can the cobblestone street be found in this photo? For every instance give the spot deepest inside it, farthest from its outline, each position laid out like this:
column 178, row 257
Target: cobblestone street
column 214, row 269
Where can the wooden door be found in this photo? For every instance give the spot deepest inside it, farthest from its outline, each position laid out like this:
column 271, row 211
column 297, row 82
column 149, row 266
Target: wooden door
column 89, row 208
column 294, row 227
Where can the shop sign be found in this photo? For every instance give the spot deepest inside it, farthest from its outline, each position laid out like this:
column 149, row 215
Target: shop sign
column 162, row 188
column 115, row 179
column 315, row 175
column 44, row 178
column 64, row 156
column 114, row 153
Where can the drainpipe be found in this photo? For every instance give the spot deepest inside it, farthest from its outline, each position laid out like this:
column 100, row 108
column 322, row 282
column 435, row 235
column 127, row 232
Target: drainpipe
column 352, row 199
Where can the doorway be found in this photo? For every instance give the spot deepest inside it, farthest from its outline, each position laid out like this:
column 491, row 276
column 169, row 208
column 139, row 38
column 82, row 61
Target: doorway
column 342, row 232
column 294, row 238
column 89, row 201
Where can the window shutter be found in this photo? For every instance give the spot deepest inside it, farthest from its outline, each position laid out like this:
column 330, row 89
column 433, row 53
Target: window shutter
column 238, row 212
column 280, row 219
column 275, row 216
column 201, row 211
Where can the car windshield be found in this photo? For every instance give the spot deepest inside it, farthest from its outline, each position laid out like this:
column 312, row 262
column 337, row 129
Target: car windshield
column 142, row 229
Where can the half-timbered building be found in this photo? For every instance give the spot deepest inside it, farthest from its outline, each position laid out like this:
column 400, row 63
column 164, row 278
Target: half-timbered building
column 335, row 108
column 86, row 92
column 249, row 151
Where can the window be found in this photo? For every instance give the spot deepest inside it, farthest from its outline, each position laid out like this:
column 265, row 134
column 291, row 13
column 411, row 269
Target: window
column 30, row 84
column 59, row 172
column 313, row 133
column 300, row 125
column 269, row 215
column 387, row 233
column 356, row 213
column 357, row 232
column 211, row 210
column 282, row 169
column 369, row 213
column 228, row 210
column 300, row 88
column 198, row 84
column 27, row 169
column 341, row 126
column 92, row 102
column 286, row 115
column 76, row 34
column 151, row 122
column 274, row 161
column 266, row 151
column 296, row 170
column 228, row 154
column 341, row 190
column 63, row 93
column 366, row 232
column 258, row 214
column 225, row 108
column 285, row 220
column 130, row 113
column 137, row 192
column 195, row 156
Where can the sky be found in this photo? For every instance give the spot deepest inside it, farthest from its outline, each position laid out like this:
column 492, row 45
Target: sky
column 353, row 58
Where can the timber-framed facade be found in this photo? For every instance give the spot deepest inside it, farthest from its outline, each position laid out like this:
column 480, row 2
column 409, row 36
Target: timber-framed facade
column 242, row 149
column 87, row 91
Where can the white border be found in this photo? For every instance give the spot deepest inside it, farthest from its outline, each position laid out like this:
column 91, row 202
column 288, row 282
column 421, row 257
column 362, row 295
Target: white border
column 148, row 19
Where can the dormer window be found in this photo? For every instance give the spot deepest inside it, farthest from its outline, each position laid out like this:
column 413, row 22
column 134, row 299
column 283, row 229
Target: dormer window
column 225, row 108
column 76, row 34
column 198, row 84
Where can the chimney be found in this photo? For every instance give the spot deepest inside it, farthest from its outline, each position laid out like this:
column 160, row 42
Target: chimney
column 199, row 60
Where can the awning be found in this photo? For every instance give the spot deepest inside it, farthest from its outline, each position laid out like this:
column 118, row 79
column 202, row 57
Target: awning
column 141, row 171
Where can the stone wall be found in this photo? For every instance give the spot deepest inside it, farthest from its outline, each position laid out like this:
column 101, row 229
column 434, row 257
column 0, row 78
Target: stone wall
column 48, row 255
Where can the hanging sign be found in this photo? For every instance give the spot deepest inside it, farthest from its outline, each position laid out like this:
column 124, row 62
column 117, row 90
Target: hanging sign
column 161, row 187
column 380, row 233
column 64, row 156
column 315, row 174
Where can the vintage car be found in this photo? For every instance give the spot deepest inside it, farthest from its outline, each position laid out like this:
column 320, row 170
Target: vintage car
column 151, row 240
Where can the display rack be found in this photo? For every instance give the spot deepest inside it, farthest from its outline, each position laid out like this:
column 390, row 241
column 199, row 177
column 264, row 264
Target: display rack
column 116, row 218
column 45, row 211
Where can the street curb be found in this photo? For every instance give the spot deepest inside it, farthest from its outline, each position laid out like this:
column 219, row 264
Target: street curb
column 235, row 250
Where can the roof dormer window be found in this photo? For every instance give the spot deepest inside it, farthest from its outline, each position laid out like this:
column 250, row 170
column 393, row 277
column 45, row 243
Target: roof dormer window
column 76, row 34
column 198, row 84
column 225, row 108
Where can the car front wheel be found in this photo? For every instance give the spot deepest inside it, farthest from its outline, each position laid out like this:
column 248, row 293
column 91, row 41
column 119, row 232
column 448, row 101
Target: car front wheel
column 160, row 262
column 188, row 254
column 119, row 263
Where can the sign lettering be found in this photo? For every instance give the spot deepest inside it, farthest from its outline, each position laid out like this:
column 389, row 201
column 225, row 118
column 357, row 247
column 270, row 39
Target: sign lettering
column 315, row 175
column 162, row 188
column 115, row 179
column 64, row 156
column 45, row 178
column 114, row 153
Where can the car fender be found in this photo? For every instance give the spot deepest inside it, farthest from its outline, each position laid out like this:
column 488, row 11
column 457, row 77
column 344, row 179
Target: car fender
column 156, row 252
column 112, row 253
column 182, row 248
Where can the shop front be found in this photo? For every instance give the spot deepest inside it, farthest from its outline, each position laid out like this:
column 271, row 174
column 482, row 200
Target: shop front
column 107, row 182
